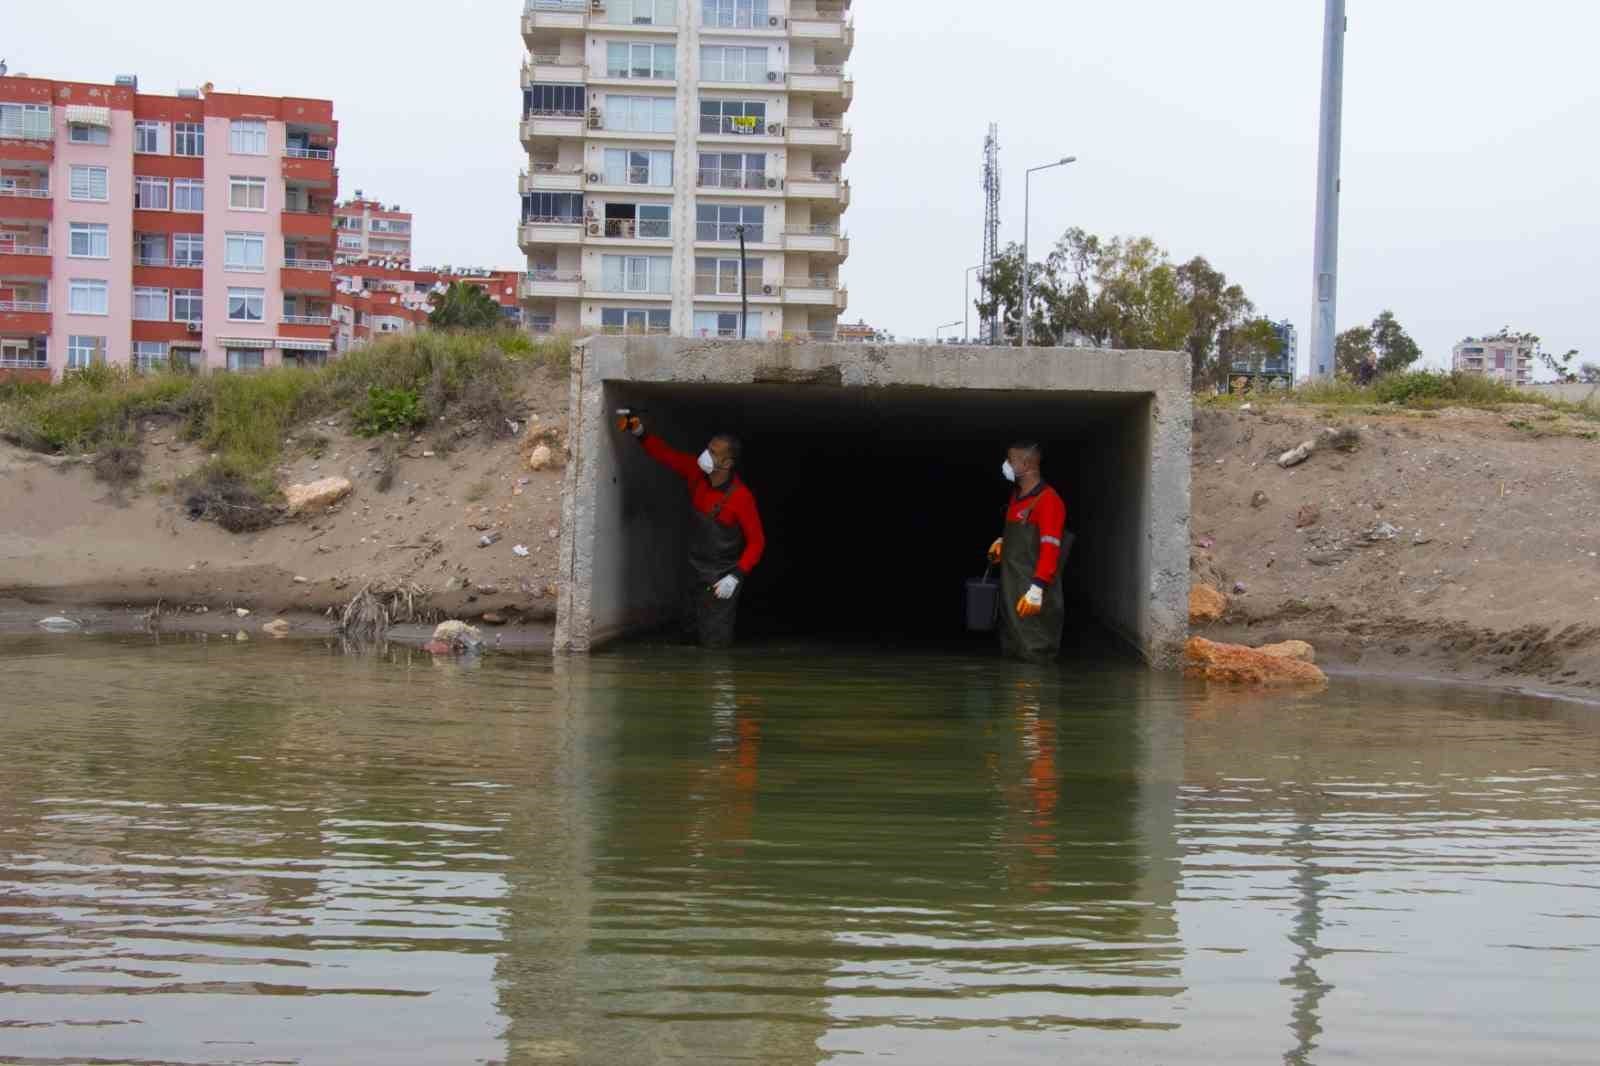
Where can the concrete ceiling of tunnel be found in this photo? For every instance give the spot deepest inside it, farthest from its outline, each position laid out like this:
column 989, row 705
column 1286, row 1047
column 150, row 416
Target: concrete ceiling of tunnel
column 939, row 413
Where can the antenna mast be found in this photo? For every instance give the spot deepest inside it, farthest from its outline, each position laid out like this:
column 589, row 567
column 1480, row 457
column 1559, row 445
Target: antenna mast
column 989, row 330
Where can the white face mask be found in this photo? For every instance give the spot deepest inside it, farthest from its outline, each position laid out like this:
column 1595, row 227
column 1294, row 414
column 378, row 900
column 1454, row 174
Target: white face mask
column 707, row 463
column 1007, row 472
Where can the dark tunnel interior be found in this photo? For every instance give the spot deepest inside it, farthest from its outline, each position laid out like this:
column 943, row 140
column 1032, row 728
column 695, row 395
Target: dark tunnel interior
column 878, row 504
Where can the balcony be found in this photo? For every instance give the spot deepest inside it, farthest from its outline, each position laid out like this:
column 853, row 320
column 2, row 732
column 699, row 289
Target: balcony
column 550, row 284
column 821, row 239
column 305, row 327
column 824, row 28
column 307, row 275
column 552, row 177
column 313, row 166
column 630, row 229
column 25, row 204
column 308, row 224
column 552, row 68
column 553, row 15
column 540, row 230
column 771, row 79
column 25, row 316
column 824, row 133
column 821, row 81
column 24, row 260
column 709, row 288
column 28, row 146
column 568, row 124
column 712, row 179
column 815, row 186
column 814, row 292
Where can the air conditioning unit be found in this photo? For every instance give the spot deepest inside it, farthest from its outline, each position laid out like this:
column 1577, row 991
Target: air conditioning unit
column 772, row 75
column 772, row 183
column 194, row 327
column 594, row 179
column 597, row 6
column 772, row 21
column 594, row 229
column 774, row 128
column 766, row 290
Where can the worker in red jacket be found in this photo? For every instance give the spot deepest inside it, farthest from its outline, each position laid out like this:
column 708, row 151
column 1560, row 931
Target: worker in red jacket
column 725, row 541
column 1030, row 556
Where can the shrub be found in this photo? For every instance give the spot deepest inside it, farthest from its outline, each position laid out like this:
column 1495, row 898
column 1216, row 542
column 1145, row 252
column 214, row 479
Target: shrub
column 1408, row 387
column 119, row 464
column 231, row 501
column 388, row 411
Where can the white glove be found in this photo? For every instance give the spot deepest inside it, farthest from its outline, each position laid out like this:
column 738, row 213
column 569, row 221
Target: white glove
column 726, row 587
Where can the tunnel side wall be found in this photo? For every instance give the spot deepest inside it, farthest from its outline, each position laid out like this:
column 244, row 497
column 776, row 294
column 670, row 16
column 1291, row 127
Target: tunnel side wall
column 607, row 553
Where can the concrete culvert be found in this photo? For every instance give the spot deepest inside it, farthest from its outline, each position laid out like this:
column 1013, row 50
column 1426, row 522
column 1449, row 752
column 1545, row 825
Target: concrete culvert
column 877, row 471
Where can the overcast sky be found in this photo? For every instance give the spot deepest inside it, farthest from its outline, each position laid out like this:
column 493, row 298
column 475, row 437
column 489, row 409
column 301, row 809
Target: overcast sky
column 1470, row 137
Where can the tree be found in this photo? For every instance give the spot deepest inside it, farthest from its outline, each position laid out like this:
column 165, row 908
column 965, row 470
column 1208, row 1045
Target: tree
column 1352, row 349
column 1396, row 350
column 1589, row 373
column 1559, row 365
column 464, row 306
column 1139, row 288
column 1215, row 307
column 1253, row 343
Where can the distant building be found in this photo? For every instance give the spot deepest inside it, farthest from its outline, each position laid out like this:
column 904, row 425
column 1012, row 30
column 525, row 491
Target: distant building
column 860, row 333
column 368, row 229
column 147, row 231
column 1278, row 370
column 1509, row 359
column 375, row 298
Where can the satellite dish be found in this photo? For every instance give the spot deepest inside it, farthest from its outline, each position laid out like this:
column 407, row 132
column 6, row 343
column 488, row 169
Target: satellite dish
column 2, row 68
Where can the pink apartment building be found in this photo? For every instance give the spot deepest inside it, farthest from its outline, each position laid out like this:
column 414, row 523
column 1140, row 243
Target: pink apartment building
column 193, row 231
column 368, row 230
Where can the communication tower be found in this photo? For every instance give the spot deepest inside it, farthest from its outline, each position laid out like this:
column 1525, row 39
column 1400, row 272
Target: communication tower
column 989, row 330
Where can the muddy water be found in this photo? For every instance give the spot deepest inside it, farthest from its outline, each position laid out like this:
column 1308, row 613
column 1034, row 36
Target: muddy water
column 276, row 853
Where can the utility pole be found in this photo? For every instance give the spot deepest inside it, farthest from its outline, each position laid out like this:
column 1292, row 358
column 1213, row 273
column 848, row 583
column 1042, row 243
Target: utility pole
column 1027, row 178
column 1325, row 272
column 744, row 299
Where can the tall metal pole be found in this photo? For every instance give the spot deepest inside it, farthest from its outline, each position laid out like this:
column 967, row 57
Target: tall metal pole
column 1027, row 189
column 1325, row 280
column 966, row 307
column 744, row 299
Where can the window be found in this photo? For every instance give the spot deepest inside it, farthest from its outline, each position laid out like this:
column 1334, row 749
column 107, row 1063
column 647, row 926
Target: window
column 245, row 252
column 30, row 121
column 390, row 225
column 347, row 222
column 188, row 194
column 85, row 351
column 627, row 167
column 733, row 170
column 350, row 244
column 151, row 194
column 636, row 273
column 246, row 358
column 188, row 249
column 247, row 136
column 247, row 194
column 1500, row 357
column 733, row 116
column 635, row 320
column 89, row 240
column 186, row 305
column 150, row 305
column 149, row 355
column 625, row 60
column 724, row 324
column 150, row 137
column 87, row 183
column 552, row 207
column 78, row 133
column 554, row 100
column 734, row 14
column 150, row 249
column 642, row 12
column 720, row 277
column 655, row 221
column 87, row 296
column 247, row 305
column 639, row 114
column 736, row 64
column 188, row 138
column 720, row 222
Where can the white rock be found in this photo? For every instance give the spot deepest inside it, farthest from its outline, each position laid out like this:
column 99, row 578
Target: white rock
column 59, row 624
column 540, row 458
column 241, row 612
column 316, row 495
column 1297, row 454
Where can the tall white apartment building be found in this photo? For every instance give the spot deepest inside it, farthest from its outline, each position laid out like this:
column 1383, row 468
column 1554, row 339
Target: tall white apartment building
column 656, row 131
column 1509, row 359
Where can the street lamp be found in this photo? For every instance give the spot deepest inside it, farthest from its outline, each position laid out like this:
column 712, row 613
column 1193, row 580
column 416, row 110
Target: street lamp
column 1026, row 190
column 966, row 307
column 947, row 325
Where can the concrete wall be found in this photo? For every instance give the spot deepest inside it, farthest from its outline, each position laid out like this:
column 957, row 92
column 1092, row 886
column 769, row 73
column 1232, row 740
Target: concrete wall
column 624, row 521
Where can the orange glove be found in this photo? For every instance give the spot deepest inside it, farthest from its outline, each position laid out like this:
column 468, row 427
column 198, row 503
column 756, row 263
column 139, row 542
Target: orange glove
column 1031, row 603
column 630, row 424
column 994, row 552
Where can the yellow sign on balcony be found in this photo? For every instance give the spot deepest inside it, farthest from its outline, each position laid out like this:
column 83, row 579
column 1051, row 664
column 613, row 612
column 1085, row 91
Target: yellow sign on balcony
column 746, row 123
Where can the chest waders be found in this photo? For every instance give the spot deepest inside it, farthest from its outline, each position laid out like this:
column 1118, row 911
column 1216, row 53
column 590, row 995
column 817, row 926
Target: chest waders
column 714, row 551
column 1036, row 639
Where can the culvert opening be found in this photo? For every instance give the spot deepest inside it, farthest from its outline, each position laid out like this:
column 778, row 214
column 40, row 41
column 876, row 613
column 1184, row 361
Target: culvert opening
column 878, row 503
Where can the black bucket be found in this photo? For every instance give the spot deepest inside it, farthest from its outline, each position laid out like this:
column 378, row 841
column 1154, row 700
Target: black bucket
column 983, row 604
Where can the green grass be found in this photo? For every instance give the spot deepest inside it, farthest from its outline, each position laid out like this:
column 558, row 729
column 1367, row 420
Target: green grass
column 243, row 419
column 1416, row 390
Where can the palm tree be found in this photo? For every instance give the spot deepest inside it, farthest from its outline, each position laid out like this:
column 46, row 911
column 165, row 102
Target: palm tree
column 464, row 306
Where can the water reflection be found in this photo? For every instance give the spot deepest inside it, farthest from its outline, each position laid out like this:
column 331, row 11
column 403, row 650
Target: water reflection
column 269, row 853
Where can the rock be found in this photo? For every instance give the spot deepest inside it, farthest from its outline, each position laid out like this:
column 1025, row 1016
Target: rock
column 1291, row 649
column 488, row 590
column 1238, row 588
column 1344, row 439
column 438, row 647
column 493, row 618
column 1382, row 531
column 1234, row 664
column 298, row 580
column 241, row 635
column 519, row 550
column 489, row 538
column 59, row 624
column 1206, row 604
column 1325, row 558
column 242, row 612
column 1298, row 454
column 1258, row 499
column 316, row 495
column 278, row 627
column 1307, row 516
column 540, row 458
column 458, row 636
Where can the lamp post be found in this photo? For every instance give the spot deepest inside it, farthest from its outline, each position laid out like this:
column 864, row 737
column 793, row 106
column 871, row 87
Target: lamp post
column 744, row 300
column 966, row 306
column 947, row 325
column 1325, row 271
column 1026, row 191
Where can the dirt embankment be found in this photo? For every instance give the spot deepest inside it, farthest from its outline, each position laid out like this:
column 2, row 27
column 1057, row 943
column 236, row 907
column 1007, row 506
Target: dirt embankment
column 1457, row 544
column 70, row 541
